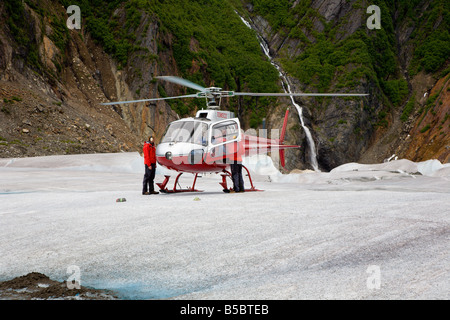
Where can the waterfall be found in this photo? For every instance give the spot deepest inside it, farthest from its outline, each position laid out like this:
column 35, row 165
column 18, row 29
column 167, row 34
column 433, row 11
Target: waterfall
column 287, row 89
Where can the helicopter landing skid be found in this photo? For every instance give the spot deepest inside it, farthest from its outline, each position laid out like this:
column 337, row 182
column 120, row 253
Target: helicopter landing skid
column 228, row 174
column 163, row 188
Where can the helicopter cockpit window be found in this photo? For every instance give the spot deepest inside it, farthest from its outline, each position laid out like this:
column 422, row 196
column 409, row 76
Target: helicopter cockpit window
column 224, row 131
column 187, row 131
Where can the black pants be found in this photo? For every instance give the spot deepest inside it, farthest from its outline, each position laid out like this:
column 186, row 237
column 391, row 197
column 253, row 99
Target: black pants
column 149, row 176
column 236, row 176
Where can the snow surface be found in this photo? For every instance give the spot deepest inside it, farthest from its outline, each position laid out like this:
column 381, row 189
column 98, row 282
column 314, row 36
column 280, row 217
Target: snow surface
column 309, row 235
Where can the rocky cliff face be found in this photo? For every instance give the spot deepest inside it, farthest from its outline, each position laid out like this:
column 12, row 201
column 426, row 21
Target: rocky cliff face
column 427, row 133
column 52, row 80
column 121, row 47
column 396, row 118
column 51, row 104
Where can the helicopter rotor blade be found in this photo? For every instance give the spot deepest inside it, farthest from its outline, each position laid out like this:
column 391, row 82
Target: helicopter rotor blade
column 182, row 82
column 301, row 94
column 154, row 99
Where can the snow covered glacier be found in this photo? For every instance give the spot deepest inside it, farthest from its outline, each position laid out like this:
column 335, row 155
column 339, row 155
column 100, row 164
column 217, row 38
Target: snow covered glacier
column 378, row 231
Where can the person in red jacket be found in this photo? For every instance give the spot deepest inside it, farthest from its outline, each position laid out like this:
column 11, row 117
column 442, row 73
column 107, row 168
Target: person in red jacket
column 150, row 166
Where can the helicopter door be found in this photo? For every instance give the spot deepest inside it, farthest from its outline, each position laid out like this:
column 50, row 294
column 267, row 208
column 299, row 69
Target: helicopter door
column 221, row 135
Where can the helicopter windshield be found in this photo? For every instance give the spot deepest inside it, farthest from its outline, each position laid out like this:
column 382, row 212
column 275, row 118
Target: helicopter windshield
column 187, row 131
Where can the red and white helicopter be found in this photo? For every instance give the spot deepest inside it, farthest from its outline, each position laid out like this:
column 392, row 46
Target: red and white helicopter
column 208, row 142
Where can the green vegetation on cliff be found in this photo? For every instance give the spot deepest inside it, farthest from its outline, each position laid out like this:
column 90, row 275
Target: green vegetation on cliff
column 431, row 37
column 333, row 57
column 20, row 31
column 211, row 45
column 209, row 42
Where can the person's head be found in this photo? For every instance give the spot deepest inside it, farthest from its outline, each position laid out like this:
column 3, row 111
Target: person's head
column 151, row 140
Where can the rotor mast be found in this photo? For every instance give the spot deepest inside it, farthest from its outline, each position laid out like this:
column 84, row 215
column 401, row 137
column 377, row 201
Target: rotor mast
column 213, row 96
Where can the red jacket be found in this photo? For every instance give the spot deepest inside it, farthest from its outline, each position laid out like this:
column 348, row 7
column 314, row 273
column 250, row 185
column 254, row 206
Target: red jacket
column 149, row 154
